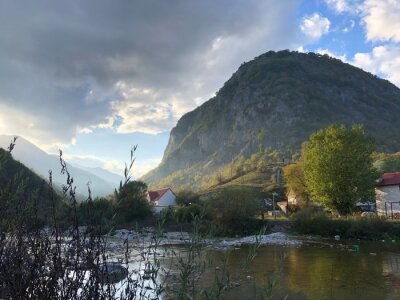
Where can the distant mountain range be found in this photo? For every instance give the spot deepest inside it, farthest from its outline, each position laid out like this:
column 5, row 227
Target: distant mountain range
column 102, row 182
column 275, row 102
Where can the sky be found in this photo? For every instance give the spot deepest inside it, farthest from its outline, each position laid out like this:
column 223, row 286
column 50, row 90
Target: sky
column 96, row 77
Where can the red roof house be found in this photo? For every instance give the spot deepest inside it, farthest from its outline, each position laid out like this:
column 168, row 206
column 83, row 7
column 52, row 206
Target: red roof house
column 387, row 192
column 389, row 179
column 162, row 198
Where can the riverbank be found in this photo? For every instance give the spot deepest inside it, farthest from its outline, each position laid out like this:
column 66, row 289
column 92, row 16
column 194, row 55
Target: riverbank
column 319, row 224
column 118, row 240
column 280, row 232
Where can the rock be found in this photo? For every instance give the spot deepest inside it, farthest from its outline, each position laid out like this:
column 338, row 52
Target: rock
column 337, row 237
column 113, row 272
column 368, row 214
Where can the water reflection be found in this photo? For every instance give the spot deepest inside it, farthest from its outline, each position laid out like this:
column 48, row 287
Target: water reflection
column 320, row 272
column 312, row 271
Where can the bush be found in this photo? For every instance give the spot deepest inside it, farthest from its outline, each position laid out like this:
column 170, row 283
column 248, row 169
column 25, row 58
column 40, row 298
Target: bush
column 99, row 211
column 235, row 204
column 186, row 197
column 186, row 214
column 240, row 228
column 312, row 221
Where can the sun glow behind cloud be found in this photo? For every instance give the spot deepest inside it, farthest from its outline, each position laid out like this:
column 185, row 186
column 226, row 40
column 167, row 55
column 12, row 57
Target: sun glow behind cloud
column 123, row 69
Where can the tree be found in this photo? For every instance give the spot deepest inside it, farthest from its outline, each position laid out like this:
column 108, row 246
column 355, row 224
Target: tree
column 236, row 204
column 338, row 169
column 295, row 183
column 186, row 197
column 131, row 202
column 386, row 163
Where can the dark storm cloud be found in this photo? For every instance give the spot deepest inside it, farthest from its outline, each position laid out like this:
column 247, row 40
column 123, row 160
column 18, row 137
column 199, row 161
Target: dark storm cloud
column 61, row 60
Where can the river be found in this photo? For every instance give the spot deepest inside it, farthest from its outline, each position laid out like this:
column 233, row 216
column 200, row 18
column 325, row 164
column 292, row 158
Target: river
column 313, row 269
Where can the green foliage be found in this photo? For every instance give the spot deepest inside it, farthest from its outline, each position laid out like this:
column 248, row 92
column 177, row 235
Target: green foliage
column 131, row 203
column 387, row 163
column 198, row 178
column 186, row 197
column 25, row 198
column 295, row 183
column 235, row 204
column 99, row 212
column 186, row 214
column 313, row 221
column 338, row 167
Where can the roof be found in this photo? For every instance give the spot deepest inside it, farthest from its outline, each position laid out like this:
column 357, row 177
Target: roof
column 389, row 179
column 157, row 194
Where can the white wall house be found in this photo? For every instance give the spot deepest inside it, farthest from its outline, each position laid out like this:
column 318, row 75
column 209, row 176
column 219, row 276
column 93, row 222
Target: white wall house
column 162, row 199
column 388, row 195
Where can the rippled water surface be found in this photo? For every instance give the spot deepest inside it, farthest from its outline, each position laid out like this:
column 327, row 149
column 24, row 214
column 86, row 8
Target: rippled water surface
column 314, row 270
column 321, row 271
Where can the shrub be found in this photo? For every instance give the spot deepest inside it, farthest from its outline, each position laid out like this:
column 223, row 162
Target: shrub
column 188, row 213
column 312, row 221
column 235, row 204
column 186, row 197
column 99, row 211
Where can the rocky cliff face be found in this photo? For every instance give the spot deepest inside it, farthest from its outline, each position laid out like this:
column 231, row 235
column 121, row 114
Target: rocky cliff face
column 276, row 101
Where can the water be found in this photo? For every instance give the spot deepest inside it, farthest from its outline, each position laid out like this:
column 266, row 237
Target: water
column 319, row 271
column 315, row 270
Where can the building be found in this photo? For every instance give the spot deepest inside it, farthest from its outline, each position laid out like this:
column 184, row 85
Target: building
column 162, row 199
column 388, row 195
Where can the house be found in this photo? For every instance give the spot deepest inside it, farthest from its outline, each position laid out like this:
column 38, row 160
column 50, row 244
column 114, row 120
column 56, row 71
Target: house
column 162, row 199
column 387, row 193
column 297, row 199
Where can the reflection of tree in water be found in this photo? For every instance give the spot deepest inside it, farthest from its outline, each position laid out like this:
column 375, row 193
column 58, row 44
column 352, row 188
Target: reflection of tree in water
column 391, row 268
column 336, row 274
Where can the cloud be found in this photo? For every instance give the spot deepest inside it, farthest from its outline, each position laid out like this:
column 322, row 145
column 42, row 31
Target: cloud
column 345, row 6
column 62, row 62
column 331, row 54
column 382, row 20
column 383, row 60
column 339, row 6
column 315, row 26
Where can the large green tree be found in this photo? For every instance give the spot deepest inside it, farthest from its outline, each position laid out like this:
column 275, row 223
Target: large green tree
column 338, row 167
column 131, row 203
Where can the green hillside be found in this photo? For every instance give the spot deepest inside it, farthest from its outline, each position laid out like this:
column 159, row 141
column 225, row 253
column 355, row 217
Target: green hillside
column 268, row 108
column 23, row 194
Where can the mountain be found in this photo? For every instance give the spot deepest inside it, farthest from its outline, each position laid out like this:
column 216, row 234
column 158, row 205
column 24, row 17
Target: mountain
column 274, row 103
column 41, row 162
column 108, row 176
column 20, row 191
